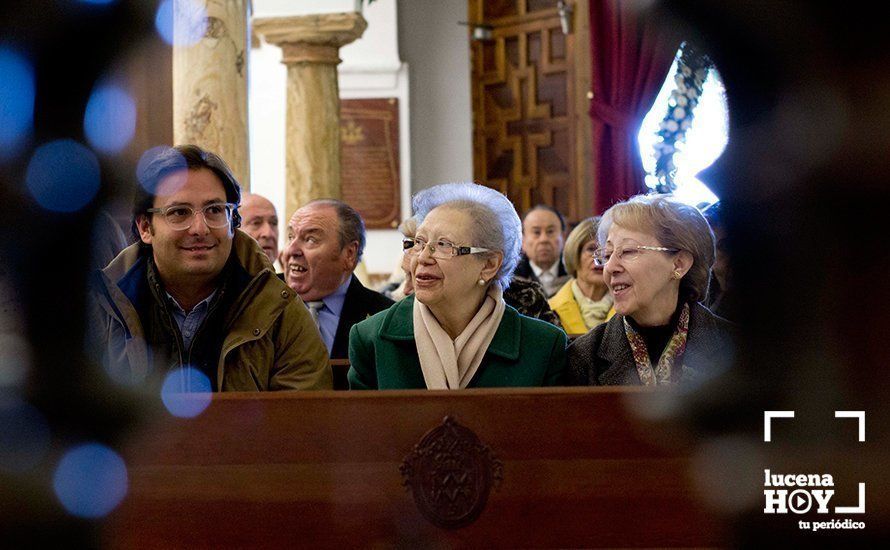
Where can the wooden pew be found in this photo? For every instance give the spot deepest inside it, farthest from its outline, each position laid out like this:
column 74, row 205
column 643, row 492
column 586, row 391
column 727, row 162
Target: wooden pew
column 323, row 470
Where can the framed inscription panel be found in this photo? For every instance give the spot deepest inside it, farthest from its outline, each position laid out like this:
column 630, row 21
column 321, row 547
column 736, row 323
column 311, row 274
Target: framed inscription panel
column 369, row 159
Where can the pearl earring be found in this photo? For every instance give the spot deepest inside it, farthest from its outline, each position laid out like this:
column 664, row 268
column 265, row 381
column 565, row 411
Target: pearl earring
column 481, row 282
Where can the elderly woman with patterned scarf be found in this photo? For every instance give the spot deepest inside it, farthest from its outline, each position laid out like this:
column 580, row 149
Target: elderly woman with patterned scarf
column 456, row 332
column 584, row 301
column 656, row 255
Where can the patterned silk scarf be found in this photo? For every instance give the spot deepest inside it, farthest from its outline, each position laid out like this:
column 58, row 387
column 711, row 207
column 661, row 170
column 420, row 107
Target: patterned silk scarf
column 662, row 374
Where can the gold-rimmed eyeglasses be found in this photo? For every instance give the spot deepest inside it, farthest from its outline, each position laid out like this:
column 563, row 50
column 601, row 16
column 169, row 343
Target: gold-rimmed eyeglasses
column 626, row 254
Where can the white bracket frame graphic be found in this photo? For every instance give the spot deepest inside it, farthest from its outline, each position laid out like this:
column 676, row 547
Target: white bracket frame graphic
column 767, row 422
column 860, row 509
column 859, row 415
column 854, row 414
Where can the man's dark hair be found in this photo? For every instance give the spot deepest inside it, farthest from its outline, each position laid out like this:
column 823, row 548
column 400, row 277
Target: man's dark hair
column 175, row 159
column 562, row 220
column 352, row 227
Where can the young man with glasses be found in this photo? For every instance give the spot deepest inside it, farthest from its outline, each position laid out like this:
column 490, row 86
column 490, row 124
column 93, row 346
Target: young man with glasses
column 197, row 292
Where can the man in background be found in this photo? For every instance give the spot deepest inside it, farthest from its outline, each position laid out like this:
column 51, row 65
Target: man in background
column 325, row 241
column 260, row 221
column 543, row 237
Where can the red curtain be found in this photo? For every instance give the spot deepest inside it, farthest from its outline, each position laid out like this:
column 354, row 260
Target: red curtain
column 632, row 50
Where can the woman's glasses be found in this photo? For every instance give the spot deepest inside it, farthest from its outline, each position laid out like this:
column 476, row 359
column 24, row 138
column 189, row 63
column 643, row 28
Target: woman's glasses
column 626, row 254
column 440, row 250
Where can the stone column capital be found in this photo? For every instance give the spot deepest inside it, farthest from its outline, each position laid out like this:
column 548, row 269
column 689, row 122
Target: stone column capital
column 311, row 38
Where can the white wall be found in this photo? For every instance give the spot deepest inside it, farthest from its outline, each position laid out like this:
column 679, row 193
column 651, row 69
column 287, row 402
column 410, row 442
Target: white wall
column 266, row 94
column 438, row 51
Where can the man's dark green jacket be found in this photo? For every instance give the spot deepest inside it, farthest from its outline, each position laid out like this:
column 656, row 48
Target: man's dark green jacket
column 524, row 352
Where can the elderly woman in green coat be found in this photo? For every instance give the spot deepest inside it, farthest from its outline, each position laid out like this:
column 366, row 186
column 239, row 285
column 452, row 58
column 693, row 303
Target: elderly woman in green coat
column 456, row 332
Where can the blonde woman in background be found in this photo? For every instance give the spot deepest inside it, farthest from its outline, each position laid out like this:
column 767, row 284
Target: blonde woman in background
column 584, row 301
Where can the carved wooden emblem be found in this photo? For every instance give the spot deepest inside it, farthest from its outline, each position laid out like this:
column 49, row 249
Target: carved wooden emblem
column 450, row 473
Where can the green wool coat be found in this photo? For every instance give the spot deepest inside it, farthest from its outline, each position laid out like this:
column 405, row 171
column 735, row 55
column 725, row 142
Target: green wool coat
column 524, row 352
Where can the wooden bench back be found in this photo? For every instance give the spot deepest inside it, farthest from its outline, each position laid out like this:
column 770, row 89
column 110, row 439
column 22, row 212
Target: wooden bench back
column 323, row 469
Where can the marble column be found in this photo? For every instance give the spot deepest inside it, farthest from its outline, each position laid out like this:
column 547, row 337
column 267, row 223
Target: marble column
column 310, row 48
column 210, row 81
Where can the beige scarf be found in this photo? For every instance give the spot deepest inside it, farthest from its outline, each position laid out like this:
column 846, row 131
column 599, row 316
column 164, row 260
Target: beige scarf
column 594, row 312
column 451, row 364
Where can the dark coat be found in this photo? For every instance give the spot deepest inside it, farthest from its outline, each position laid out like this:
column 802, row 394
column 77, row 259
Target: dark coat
column 359, row 304
column 524, row 269
column 270, row 342
column 524, row 352
column 603, row 357
column 529, row 299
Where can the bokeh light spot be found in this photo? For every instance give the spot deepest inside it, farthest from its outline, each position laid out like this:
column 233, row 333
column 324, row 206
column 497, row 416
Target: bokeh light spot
column 90, row 480
column 147, row 176
column 186, row 392
column 63, row 176
column 182, row 22
column 24, row 435
column 110, row 119
column 17, row 91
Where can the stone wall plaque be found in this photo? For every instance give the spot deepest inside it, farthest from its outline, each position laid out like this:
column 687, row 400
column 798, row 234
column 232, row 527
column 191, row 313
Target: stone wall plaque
column 369, row 159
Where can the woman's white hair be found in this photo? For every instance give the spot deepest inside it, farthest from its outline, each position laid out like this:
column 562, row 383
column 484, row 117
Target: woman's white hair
column 496, row 224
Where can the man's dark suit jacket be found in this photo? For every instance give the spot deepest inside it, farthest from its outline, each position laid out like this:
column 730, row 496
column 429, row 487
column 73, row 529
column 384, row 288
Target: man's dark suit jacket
column 524, row 269
column 360, row 303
